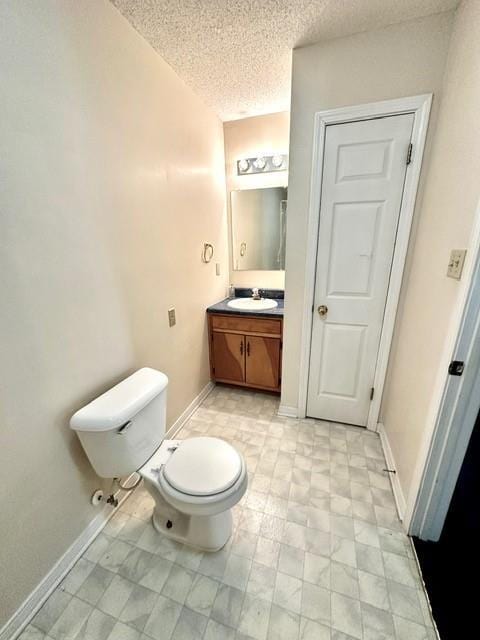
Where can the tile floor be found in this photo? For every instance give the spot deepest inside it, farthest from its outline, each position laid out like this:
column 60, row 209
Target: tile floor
column 317, row 553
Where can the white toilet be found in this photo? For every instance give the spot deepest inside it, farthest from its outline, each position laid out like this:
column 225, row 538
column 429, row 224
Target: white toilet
column 194, row 482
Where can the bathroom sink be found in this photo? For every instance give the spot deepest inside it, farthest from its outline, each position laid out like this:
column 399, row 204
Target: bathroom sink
column 249, row 304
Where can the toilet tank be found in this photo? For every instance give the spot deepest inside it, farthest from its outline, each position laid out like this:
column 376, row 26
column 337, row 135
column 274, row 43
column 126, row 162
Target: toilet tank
column 121, row 429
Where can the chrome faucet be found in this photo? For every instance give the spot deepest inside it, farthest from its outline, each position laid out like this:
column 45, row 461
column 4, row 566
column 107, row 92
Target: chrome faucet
column 256, row 293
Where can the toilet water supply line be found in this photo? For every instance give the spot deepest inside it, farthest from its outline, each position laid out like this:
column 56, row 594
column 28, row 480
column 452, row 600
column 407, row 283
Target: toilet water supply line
column 118, row 481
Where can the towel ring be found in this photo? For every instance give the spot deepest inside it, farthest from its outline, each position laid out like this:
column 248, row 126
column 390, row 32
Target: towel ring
column 207, row 253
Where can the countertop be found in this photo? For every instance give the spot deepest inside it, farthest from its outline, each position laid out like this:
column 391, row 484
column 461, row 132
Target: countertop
column 222, row 307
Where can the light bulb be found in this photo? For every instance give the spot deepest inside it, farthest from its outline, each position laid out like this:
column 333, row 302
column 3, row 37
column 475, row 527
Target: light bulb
column 243, row 165
column 260, row 163
column 277, row 161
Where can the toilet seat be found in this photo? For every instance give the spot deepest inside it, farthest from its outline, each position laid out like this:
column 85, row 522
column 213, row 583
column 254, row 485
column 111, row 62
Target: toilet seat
column 204, row 505
column 195, row 503
column 203, row 466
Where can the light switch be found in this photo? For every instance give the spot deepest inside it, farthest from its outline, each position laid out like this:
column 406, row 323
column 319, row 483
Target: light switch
column 455, row 264
column 217, row 269
column 172, row 321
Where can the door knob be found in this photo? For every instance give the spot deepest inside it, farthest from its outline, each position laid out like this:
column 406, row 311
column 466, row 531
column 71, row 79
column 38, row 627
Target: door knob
column 322, row 310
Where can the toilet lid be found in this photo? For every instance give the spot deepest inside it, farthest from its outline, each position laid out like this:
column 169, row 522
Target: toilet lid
column 203, row 466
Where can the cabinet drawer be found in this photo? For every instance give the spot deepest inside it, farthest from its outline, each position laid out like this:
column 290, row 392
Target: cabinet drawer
column 246, row 324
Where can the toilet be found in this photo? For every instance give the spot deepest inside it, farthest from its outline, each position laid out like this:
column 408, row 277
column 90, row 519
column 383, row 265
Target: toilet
column 194, row 482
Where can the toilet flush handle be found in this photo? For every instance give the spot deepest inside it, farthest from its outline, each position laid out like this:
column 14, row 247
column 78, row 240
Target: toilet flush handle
column 121, row 430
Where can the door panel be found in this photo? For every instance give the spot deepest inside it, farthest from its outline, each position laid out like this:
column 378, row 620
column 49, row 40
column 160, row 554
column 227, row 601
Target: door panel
column 364, row 160
column 362, row 187
column 229, row 356
column 351, row 265
column 341, row 342
column 263, row 361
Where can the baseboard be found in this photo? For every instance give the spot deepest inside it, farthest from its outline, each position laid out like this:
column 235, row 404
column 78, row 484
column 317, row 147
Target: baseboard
column 20, row 619
column 195, row 403
column 287, row 412
column 394, row 480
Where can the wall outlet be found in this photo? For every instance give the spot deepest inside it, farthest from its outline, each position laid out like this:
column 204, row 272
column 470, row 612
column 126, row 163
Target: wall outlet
column 218, row 271
column 455, row 264
column 172, row 320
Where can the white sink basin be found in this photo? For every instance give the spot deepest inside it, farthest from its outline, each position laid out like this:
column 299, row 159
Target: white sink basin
column 249, row 304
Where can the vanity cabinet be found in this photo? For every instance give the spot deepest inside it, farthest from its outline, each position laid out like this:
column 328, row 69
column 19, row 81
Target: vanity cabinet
column 246, row 351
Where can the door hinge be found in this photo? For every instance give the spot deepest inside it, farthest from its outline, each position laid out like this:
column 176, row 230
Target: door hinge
column 372, row 393
column 456, row 367
column 409, row 153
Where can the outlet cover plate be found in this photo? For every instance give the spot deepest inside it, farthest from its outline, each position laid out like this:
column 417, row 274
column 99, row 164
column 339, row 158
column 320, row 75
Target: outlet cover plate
column 456, row 262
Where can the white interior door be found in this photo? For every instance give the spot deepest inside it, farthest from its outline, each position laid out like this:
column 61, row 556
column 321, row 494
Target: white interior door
column 362, row 186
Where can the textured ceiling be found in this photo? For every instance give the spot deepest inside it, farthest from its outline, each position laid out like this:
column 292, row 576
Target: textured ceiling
column 237, row 54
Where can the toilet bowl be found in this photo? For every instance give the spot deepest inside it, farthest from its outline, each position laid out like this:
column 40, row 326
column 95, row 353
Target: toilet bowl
column 194, row 482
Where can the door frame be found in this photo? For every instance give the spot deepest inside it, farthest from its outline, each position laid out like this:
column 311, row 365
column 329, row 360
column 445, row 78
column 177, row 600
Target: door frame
column 420, row 106
column 453, row 410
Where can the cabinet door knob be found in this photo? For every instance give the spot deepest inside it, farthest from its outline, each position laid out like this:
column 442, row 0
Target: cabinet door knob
column 248, row 348
column 241, row 348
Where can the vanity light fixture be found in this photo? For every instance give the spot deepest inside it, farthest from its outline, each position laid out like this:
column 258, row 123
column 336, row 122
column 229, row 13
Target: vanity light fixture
column 262, row 164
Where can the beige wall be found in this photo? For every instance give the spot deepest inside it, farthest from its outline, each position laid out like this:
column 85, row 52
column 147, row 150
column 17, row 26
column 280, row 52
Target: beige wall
column 112, row 178
column 401, row 60
column 452, row 190
column 248, row 138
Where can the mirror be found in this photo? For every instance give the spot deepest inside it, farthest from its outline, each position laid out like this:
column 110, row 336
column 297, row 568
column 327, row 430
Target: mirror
column 258, row 228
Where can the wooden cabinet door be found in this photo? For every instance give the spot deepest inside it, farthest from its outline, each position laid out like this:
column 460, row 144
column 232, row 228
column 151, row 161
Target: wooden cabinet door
column 229, row 356
column 262, row 361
